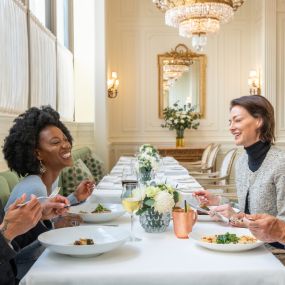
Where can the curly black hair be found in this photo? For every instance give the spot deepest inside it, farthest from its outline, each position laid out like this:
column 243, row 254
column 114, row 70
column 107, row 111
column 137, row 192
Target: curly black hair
column 22, row 141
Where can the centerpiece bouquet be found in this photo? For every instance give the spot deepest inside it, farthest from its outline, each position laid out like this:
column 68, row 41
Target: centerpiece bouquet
column 180, row 118
column 157, row 203
column 148, row 159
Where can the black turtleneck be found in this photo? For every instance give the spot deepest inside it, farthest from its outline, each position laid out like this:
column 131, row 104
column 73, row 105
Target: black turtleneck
column 256, row 154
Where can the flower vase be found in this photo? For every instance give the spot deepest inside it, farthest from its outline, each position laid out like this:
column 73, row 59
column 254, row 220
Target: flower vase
column 154, row 222
column 179, row 137
column 145, row 175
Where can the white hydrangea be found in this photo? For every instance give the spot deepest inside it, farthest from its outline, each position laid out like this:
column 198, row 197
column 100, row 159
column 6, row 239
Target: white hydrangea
column 163, row 202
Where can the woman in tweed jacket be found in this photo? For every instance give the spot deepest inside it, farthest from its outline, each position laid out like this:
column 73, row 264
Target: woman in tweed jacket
column 260, row 170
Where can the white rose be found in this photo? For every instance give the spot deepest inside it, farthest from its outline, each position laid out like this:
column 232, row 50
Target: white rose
column 163, row 202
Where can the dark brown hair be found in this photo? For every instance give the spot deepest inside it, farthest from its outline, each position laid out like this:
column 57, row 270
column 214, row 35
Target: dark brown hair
column 259, row 107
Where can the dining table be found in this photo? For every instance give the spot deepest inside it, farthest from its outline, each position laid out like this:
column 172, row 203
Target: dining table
column 158, row 258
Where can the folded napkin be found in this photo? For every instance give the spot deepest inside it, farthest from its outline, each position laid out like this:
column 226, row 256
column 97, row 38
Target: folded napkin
column 112, row 178
column 184, row 178
column 109, row 186
column 189, row 185
column 174, row 167
column 173, row 172
column 106, row 196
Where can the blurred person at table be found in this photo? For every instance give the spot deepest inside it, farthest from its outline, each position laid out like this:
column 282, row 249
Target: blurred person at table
column 260, row 170
column 16, row 222
column 37, row 148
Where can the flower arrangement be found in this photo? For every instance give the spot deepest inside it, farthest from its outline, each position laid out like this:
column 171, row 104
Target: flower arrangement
column 180, row 118
column 161, row 197
column 148, row 158
column 149, row 150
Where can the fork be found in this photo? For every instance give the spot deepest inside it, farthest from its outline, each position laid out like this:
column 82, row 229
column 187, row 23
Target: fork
column 52, row 195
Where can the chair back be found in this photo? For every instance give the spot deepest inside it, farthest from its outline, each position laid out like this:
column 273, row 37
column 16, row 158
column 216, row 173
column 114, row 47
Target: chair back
column 211, row 162
column 227, row 164
column 206, row 153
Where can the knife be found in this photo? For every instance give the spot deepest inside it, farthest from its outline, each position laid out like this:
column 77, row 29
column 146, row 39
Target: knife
column 217, row 214
column 75, row 204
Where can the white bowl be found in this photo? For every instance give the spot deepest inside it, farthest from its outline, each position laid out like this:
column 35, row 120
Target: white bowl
column 105, row 239
column 197, row 236
column 116, row 211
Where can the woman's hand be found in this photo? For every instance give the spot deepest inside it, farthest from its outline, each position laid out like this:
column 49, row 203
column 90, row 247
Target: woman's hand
column 84, row 190
column 54, row 207
column 225, row 210
column 19, row 220
column 267, row 228
column 206, row 198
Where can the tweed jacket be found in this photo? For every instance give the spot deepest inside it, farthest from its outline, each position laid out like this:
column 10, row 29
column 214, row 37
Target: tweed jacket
column 266, row 186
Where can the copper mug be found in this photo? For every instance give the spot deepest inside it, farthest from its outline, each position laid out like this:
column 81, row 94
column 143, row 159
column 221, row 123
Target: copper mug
column 183, row 222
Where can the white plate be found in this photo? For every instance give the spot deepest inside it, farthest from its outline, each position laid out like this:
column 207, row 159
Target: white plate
column 105, row 239
column 207, row 218
column 196, row 236
column 116, row 211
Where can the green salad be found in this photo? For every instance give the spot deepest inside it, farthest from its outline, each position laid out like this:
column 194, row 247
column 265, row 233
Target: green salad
column 227, row 238
column 101, row 209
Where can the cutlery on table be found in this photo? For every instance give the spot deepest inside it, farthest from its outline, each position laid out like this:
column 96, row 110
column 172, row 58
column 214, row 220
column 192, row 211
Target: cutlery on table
column 208, row 212
column 52, row 195
column 74, row 204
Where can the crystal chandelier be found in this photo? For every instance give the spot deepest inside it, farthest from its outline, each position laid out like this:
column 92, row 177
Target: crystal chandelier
column 197, row 18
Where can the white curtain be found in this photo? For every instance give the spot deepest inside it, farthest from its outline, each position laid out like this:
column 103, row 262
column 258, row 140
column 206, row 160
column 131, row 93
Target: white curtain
column 14, row 73
column 65, row 81
column 42, row 65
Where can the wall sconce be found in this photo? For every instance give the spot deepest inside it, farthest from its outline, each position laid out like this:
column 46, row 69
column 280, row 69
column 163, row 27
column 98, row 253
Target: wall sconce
column 113, row 84
column 254, row 83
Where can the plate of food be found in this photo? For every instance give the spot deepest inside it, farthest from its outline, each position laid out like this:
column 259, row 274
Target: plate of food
column 84, row 241
column 230, row 240
column 98, row 213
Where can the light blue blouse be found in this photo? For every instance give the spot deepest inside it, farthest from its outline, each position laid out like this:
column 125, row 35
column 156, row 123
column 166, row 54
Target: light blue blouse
column 33, row 184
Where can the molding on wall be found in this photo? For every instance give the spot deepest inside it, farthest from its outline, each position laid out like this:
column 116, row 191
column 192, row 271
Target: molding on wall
column 269, row 53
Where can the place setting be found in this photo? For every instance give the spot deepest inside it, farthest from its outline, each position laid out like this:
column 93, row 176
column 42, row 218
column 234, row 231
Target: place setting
column 84, row 241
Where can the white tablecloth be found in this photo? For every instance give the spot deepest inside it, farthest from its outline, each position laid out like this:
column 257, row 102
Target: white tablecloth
column 159, row 259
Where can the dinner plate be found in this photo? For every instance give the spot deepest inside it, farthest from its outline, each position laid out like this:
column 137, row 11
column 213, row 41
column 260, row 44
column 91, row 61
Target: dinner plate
column 105, row 239
column 197, row 236
column 116, row 211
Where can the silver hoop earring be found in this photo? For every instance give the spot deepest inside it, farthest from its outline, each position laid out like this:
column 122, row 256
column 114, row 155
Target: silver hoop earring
column 42, row 168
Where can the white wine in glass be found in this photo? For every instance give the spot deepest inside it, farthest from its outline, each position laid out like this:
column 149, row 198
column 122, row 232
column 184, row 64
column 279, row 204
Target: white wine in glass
column 131, row 201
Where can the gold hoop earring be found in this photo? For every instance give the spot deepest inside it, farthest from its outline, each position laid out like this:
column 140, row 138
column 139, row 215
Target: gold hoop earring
column 42, row 168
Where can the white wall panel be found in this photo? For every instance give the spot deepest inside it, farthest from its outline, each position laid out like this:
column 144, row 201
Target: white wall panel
column 136, row 35
column 280, row 76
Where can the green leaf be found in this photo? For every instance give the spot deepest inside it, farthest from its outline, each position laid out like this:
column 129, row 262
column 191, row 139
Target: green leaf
column 149, row 202
column 176, row 196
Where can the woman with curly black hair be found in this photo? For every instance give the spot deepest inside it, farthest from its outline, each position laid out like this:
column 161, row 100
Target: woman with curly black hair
column 37, row 148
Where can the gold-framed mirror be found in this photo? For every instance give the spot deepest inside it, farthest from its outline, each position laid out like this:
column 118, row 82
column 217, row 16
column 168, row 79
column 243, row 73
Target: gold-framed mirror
column 182, row 78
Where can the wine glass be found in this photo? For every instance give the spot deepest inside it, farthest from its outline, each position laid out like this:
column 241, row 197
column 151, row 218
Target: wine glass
column 131, row 200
